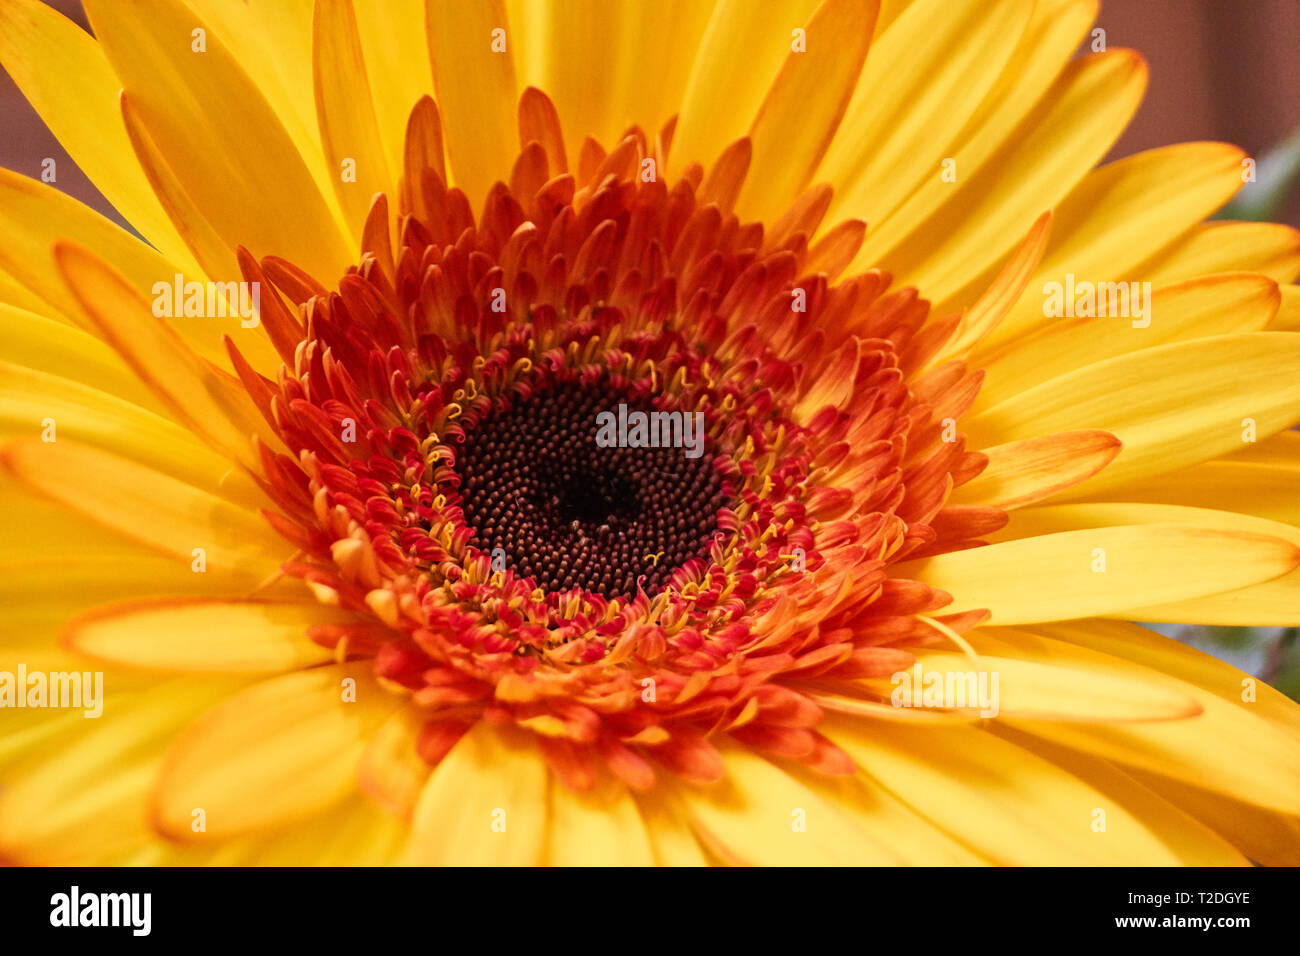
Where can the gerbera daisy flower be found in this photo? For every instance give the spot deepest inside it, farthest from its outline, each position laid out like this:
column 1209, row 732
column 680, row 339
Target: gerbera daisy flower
column 653, row 441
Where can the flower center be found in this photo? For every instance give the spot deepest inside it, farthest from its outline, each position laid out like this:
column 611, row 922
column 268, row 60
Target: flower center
column 551, row 502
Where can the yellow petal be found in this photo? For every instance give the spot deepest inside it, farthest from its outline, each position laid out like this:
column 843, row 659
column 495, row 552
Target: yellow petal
column 346, row 111
column 160, row 512
column 1223, row 749
column 600, row 828
column 397, row 64
column 1025, row 471
column 993, row 206
column 1014, row 681
column 213, row 254
column 1287, row 317
column 354, row 833
column 15, row 294
column 476, row 91
column 1213, row 305
column 1122, row 215
column 87, row 796
column 1056, row 576
column 803, row 108
column 1005, row 802
column 923, row 80
column 630, row 42
column 484, row 805
column 45, row 344
column 392, row 772
column 1050, row 39
column 761, row 815
column 213, row 404
column 1171, row 405
column 30, row 399
column 1190, row 838
column 914, row 837
column 207, row 636
column 1268, row 248
column 279, row 751
column 1272, row 602
column 1254, row 488
column 1280, row 449
column 263, row 198
column 33, row 215
column 1261, row 833
column 1172, row 657
column 277, row 37
column 670, row 835
column 999, row 296
column 63, row 73
column 721, row 101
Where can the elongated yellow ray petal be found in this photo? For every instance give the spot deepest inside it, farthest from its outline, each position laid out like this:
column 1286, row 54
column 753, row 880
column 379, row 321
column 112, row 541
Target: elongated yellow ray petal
column 600, row 828
column 994, row 206
column 33, row 216
column 276, row 752
column 1224, row 749
column 1009, row 682
column 37, row 42
column 486, row 803
column 29, row 399
column 922, row 81
column 1272, row 602
column 397, row 64
column 1268, row 248
column 1254, row 488
column 914, row 837
column 1006, row 802
column 1223, row 304
column 1060, row 576
column 1025, row 471
column 263, row 198
column 207, row 636
column 392, row 771
column 346, row 112
column 156, row 510
column 474, row 75
column 629, row 43
column 670, row 835
column 1157, row 195
column 1051, row 37
column 214, row 255
column 91, row 789
column 1170, row 406
column 48, row 345
column 802, row 111
column 212, row 403
column 762, row 815
column 1190, row 839
column 721, row 101
column 1135, row 643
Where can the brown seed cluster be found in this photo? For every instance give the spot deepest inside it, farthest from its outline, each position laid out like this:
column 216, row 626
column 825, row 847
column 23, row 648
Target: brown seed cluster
column 569, row 513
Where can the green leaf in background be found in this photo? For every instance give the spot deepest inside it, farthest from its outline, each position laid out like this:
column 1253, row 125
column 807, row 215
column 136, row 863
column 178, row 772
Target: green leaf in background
column 1284, row 662
column 1276, row 174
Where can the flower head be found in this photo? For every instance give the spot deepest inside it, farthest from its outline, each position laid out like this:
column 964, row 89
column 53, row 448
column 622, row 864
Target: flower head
column 590, row 483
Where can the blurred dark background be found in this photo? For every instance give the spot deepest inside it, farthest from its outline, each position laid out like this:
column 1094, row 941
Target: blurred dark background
column 1220, row 69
